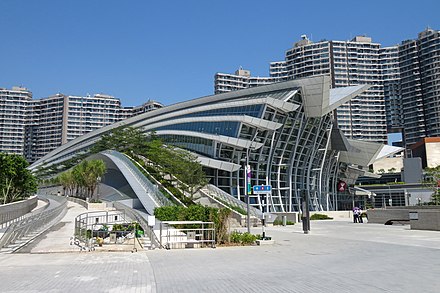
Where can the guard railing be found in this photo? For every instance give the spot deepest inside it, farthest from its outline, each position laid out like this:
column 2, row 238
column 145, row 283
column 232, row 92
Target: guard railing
column 35, row 223
column 222, row 196
column 135, row 216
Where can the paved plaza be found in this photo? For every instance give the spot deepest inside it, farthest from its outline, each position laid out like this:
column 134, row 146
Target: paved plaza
column 337, row 256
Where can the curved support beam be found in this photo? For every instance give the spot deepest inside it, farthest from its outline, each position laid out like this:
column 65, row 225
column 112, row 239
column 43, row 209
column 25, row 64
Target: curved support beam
column 145, row 191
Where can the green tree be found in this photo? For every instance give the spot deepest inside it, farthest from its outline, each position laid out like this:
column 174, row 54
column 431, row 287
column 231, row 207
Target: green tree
column 84, row 178
column 190, row 171
column 168, row 161
column 122, row 139
column 94, row 171
column 16, row 182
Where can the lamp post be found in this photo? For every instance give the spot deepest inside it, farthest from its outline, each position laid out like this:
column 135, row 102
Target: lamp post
column 246, row 171
column 98, row 179
column 247, row 181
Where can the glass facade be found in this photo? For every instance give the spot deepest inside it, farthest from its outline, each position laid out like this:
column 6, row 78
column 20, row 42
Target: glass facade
column 276, row 130
column 289, row 158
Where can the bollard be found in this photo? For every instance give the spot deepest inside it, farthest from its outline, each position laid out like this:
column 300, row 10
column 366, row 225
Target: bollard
column 284, row 220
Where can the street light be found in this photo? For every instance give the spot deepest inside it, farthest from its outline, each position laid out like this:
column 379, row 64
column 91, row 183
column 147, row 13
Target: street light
column 246, row 183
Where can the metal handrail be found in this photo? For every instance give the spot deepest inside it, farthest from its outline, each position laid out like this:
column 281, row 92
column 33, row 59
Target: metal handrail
column 35, row 223
column 85, row 223
column 190, row 232
column 217, row 192
column 134, row 215
column 177, row 201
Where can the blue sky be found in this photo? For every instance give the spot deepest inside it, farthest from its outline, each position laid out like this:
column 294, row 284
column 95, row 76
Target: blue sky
column 169, row 51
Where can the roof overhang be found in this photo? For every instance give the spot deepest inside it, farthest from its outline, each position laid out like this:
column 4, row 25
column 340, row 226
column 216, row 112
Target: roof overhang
column 367, row 153
column 320, row 99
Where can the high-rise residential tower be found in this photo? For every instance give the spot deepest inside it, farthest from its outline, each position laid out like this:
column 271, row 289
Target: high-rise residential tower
column 355, row 62
column 32, row 128
column 59, row 119
column 14, row 118
column 405, row 83
column 419, row 62
column 242, row 79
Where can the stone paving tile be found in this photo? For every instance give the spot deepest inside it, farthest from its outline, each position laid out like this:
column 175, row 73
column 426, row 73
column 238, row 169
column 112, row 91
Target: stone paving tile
column 336, row 256
column 76, row 272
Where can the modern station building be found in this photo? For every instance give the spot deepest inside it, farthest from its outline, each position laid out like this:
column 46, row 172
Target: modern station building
column 355, row 62
column 283, row 132
column 405, row 83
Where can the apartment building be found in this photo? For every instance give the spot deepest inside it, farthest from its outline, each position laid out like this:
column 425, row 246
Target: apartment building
column 150, row 105
column 34, row 127
column 355, row 62
column 14, row 118
column 420, row 86
column 242, row 79
column 61, row 118
column 405, row 83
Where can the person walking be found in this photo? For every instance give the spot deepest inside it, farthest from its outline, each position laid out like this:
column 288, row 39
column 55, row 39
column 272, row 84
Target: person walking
column 355, row 214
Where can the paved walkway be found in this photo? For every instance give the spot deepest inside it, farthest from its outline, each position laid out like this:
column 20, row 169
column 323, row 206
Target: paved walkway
column 337, row 256
column 40, row 204
column 57, row 238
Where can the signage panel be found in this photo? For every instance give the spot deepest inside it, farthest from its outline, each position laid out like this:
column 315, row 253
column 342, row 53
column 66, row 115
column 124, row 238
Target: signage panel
column 257, row 189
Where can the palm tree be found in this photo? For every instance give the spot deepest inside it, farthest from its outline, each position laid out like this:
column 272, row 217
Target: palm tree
column 67, row 180
column 96, row 169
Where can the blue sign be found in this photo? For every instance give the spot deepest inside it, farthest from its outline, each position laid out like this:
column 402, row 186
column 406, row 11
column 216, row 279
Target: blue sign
column 262, row 189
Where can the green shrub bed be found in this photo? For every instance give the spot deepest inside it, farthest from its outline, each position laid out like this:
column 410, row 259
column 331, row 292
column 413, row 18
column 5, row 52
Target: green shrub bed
column 320, row 217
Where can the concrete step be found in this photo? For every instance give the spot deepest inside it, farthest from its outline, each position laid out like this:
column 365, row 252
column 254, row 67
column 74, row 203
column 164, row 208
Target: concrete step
column 146, row 243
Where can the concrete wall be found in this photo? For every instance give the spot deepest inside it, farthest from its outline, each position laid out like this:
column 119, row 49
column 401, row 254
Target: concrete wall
column 381, row 216
column 91, row 206
column 336, row 215
column 428, row 216
column 432, row 154
column 292, row 217
column 427, row 220
column 15, row 210
column 412, row 170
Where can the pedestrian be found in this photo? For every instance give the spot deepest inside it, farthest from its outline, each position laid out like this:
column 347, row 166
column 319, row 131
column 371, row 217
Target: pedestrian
column 355, row 214
column 360, row 215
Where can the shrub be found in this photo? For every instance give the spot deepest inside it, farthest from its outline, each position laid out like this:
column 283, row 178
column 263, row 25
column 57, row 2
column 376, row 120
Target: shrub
column 242, row 238
column 280, row 222
column 320, row 217
column 235, row 237
column 196, row 213
column 248, row 238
